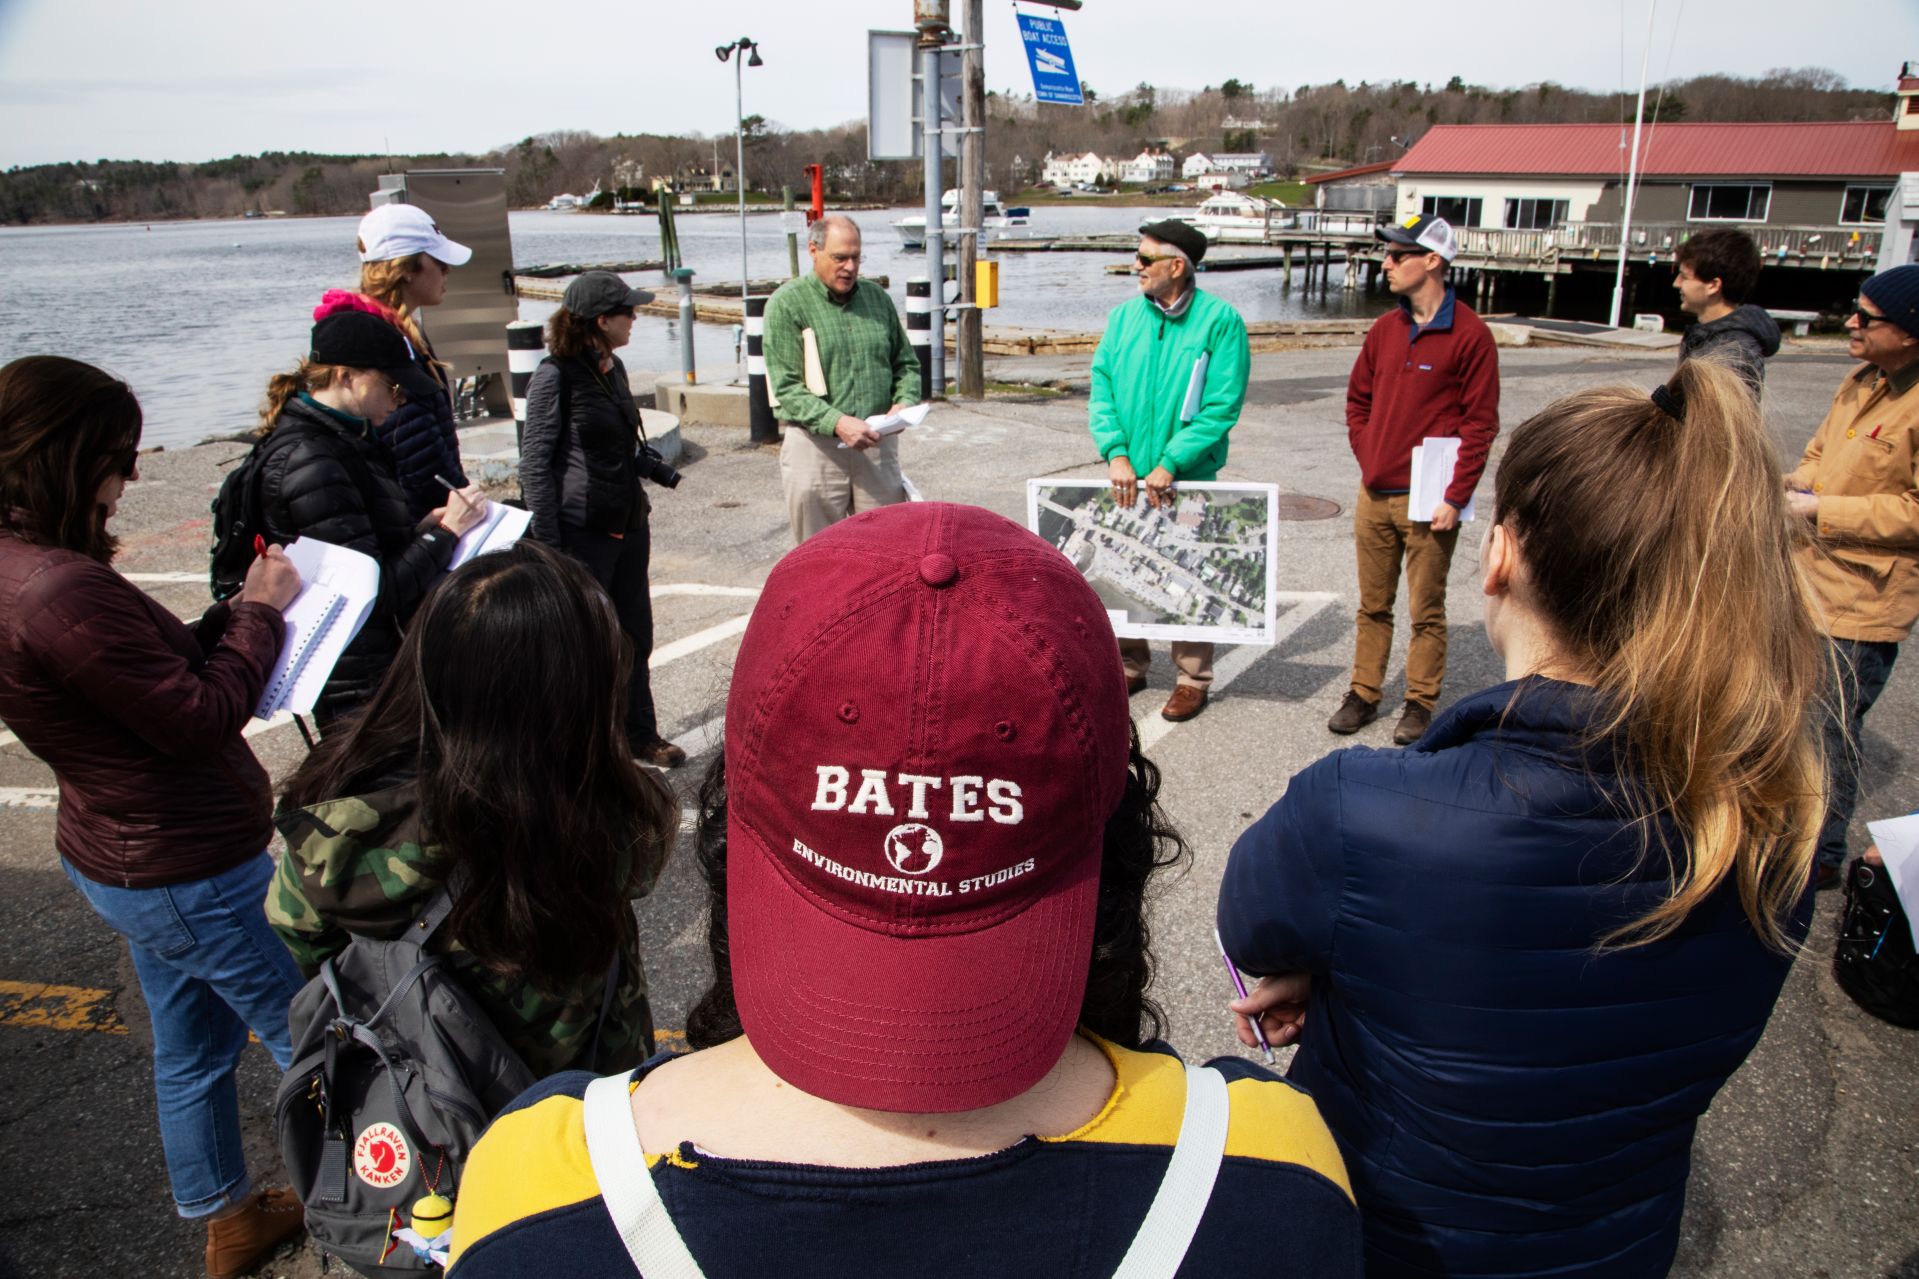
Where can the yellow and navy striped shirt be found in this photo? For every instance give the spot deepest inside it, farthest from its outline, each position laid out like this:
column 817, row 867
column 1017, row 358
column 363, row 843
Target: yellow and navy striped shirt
column 1053, row 1206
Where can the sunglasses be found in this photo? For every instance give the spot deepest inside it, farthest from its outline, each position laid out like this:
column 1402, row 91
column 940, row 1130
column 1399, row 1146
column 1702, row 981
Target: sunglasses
column 1147, row 259
column 1866, row 318
column 1400, row 255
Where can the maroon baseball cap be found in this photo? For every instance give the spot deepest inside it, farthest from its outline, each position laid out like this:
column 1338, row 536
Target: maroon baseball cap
column 926, row 734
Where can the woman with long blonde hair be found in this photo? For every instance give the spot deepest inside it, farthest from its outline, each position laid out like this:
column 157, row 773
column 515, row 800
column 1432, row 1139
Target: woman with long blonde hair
column 404, row 264
column 1521, row 956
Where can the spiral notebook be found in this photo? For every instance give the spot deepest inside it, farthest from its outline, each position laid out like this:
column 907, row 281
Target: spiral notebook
column 337, row 593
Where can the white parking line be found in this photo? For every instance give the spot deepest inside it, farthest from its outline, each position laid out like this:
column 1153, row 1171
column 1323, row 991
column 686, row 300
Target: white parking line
column 29, row 797
column 661, row 656
column 698, row 640
column 1306, row 606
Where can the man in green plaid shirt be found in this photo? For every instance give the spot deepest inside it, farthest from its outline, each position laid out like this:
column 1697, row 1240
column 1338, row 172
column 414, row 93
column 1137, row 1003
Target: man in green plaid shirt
column 836, row 354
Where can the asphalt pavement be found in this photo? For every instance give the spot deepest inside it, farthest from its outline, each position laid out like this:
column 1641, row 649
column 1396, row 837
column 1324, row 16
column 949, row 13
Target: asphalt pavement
column 1807, row 1165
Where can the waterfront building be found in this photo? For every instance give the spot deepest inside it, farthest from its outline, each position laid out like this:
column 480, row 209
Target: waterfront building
column 1147, row 167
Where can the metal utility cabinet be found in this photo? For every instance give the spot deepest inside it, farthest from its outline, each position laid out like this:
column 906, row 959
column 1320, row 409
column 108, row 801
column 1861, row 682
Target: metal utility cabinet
column 468, row 329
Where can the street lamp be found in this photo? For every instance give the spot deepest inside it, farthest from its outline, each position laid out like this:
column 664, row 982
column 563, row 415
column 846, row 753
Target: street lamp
column 750, row 51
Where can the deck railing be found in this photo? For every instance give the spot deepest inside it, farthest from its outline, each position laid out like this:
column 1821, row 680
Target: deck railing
column 1358, row 222
column 1826, row 247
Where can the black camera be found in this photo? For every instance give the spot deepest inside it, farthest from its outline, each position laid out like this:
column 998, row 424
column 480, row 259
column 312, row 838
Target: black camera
column 653, row 467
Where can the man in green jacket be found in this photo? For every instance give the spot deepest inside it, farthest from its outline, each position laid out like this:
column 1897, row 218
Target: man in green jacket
column 1141, row 425
column 836, row 354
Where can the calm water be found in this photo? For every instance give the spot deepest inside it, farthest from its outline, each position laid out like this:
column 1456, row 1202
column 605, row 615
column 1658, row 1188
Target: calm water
column 196, row 315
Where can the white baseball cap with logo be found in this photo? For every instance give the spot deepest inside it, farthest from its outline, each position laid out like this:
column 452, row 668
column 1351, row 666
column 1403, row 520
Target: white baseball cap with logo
column 401, row 230
column 1420, row 231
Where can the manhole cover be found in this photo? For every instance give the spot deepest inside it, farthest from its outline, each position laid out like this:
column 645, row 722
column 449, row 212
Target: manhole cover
column 1297, row 506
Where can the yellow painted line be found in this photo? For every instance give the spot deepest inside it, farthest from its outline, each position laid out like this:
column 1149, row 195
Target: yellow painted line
column 28, row 1005
column 37, row 1005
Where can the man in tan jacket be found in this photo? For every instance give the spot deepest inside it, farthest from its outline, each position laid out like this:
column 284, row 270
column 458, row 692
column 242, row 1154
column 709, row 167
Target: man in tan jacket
column 1857, row 484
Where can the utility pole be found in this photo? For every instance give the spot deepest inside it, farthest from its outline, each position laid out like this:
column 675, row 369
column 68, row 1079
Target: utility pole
column 970, row 346
column 930, row 19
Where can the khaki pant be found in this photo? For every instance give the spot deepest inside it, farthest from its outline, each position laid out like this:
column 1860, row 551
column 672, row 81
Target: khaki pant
column 825, row 483
column 1193, row 658
column 1382, row 537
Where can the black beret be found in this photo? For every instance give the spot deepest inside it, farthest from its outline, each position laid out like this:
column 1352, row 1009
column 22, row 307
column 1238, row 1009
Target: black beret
column 1184, row 236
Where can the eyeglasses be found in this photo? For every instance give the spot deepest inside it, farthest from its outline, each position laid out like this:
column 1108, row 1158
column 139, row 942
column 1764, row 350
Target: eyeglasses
column 1147, row 259
column 1866, row 318
column 1400, row 255
column 399, row 392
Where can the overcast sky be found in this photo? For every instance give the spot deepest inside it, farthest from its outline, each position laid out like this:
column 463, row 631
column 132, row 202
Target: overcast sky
column 199, row 79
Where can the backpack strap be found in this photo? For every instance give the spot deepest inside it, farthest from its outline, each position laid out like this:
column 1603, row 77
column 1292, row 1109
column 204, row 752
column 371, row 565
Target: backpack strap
column 1170, row 1224
column 606, row 1006
column 655, row 1245
column 633, row 1201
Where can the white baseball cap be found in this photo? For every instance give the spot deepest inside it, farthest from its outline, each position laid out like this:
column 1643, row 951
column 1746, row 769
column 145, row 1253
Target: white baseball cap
column 401, row 230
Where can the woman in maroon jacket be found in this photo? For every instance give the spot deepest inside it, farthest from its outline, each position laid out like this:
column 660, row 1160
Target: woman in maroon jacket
column 164, row 813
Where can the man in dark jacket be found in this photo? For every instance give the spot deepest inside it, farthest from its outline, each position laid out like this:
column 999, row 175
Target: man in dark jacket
column 1714, row 273
column 1428, row 368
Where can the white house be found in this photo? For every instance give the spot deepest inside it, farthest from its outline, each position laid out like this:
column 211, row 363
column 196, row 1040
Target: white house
column 1219, row 179
column 1147, row 166
column 1075, row 170
column 1196, row 163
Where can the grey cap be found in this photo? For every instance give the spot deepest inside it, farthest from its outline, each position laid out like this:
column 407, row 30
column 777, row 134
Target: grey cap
column 596, row 293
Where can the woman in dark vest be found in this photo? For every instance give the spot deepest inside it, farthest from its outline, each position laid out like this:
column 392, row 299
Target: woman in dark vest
column 1521, row 956
column 580, row 477
column 335, row 482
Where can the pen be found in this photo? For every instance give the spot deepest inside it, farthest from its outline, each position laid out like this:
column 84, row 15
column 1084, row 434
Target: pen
column 451, row 487
column 259, row 545
column 1875, row 430
column 1239, row 984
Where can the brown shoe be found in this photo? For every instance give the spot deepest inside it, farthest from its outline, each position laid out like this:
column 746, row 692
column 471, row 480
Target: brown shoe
column 1135, row 684
column 239, row 1242
column 660, row 753
column 1187, row 701
column 1353, row 714
column 1413, row 722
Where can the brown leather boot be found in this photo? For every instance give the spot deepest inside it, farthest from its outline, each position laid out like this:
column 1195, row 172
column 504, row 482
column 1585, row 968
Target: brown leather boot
column 238, row 1242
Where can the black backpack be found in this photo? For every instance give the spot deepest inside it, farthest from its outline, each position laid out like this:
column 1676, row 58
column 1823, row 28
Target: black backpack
column 239, row 516
column 1874, row 961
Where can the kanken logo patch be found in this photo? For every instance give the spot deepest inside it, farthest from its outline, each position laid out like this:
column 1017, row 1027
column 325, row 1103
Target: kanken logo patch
column 380, row 1156
column 914, row 849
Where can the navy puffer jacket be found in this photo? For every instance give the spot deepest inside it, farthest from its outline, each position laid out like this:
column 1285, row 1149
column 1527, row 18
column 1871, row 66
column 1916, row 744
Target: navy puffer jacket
column 335, row 484
column 422, row 438
column 1510, row 1101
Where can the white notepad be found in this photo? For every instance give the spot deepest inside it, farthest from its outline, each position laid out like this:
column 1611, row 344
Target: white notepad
column 338, row 587
column 1434, row 460
column 499, row 528
column 885, row 424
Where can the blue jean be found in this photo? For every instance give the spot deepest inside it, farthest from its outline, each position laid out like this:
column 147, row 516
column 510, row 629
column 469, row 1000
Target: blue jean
column 1863, row 668
column 210, row 966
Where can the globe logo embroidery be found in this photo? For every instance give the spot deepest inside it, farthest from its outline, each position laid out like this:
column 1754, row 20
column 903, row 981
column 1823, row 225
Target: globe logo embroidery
column 913, row 849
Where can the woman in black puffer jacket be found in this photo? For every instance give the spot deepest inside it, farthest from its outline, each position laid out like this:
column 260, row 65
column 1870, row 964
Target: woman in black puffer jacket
column 334, row 482
column 580, row 479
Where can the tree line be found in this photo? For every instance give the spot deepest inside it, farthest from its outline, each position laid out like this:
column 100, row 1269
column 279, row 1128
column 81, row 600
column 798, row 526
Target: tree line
column 1308, row 127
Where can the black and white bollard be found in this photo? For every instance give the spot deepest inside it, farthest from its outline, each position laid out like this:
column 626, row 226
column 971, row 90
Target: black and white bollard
column 525, row 348
column 919, row 329
column 765, row 430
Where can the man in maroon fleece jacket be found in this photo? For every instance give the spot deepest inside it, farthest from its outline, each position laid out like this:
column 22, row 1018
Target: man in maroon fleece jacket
column 1427, row 368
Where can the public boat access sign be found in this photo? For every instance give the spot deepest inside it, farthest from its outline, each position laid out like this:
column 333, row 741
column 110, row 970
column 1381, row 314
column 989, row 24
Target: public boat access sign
column 1054, row 79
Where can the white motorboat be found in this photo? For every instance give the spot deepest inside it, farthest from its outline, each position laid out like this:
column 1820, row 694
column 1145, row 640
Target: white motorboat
column 996, row 219
column 1234, row 217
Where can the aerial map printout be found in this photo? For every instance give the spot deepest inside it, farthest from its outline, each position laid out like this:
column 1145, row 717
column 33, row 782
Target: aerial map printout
column 1199, row 568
